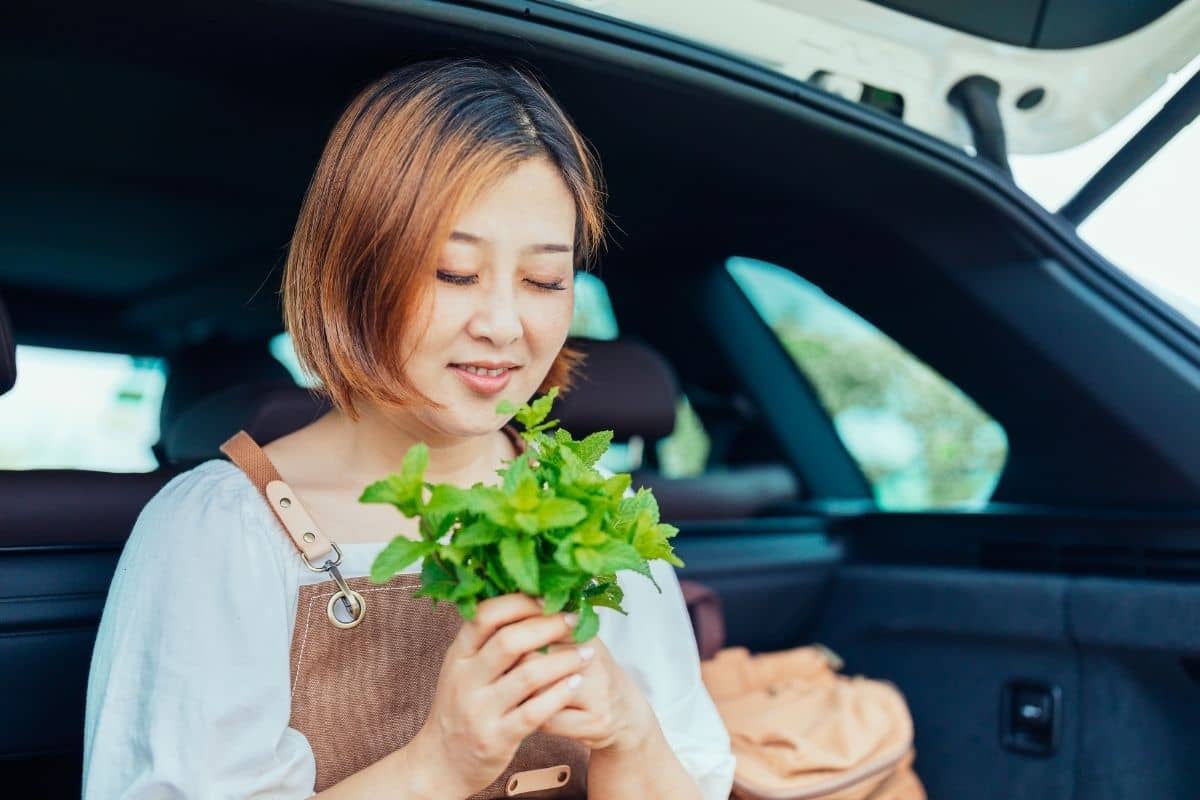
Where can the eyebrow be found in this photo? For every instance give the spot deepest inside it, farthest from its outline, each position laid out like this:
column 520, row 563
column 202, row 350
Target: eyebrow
column 470, row 238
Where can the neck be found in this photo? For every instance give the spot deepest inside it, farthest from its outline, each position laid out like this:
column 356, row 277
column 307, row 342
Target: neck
column 375, row 445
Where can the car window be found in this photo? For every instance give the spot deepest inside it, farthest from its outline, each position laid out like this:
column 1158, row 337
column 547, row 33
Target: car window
column 79, row 410
column 683, row 453
column 920, row 441
column 594, row 317
column 1145, row 227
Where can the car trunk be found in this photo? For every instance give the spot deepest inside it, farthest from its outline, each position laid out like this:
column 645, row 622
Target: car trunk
column 155, row 165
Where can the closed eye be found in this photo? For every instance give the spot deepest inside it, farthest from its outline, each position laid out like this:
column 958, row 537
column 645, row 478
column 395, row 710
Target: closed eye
column 465, row 280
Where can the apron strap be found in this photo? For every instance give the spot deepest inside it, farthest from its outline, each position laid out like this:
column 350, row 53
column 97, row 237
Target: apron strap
column 243, row 451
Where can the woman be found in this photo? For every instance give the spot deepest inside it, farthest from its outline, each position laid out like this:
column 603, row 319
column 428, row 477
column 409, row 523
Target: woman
column 430, row 276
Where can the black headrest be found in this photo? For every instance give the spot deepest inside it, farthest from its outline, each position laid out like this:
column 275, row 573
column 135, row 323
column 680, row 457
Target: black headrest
column 624, row 386
column 266, row 410
column 199, row 371
column 219, row 386
column 8, row 352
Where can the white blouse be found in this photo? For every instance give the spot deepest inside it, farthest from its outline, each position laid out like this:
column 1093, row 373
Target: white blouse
column 188, row 693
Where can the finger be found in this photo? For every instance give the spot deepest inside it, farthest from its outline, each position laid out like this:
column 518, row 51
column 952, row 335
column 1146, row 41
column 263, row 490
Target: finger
column 491, row 615
column 512, row 642
column 566, row 643
column 537, row 672
column 527, row 717
column 570, row 722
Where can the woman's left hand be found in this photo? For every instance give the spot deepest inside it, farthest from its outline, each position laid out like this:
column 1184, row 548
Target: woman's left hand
column 608, row 710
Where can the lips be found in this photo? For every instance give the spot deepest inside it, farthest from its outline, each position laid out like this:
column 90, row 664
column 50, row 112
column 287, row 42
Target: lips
column 491, row 365
column 483, row 383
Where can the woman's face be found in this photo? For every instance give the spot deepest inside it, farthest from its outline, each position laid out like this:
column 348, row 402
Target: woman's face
column 504, row 294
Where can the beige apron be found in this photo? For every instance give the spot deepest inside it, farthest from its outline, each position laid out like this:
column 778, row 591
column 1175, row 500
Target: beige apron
column 365, row 662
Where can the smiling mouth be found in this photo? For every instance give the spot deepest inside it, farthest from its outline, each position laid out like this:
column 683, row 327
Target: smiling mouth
column 482, row 371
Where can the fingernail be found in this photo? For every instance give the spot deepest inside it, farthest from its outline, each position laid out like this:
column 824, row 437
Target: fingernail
column 571, row 619
column 586, row 653
column 574, row 681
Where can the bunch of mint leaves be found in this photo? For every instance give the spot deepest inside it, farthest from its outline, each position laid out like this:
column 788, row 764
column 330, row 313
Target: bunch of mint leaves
column 554, row 527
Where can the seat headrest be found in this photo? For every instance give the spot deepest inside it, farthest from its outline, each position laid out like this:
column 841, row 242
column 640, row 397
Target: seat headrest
column 8, row 351
column 219, row 386
column 623, row 386
column 201, row 370
column 266, row 410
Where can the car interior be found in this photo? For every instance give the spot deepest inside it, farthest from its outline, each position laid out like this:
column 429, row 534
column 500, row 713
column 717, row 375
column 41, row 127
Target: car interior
column 154, row 162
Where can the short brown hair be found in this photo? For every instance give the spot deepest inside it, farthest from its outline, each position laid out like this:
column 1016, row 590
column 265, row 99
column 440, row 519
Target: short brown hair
column 407, row 156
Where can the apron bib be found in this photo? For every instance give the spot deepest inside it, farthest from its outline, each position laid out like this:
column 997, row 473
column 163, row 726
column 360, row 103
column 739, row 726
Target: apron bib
column 365, row 659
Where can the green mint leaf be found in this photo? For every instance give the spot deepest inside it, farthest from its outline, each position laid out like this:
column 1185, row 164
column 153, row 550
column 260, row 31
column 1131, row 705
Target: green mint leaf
column 519, row 561
column 517, row 472
column 437, row 582
column 451, row 555
column 497, row 575
column 469, row 583
column 556, row 600
column 652, row 542
column 434, row 526
column 416, row 459
column 526, row 497
column 449, row 499
column 532, row 414
column 610, row 557
column 403, row 493
column 478, row 533
column 553, row 578
column 616, row 486
column 607, row 593
column 588, row 625
column 466, row 607
column 558, row 512
column 398, row 554
column 593, row 446
column 505, row 407
column 564, row 554
column 526, row 521
column 630, row 508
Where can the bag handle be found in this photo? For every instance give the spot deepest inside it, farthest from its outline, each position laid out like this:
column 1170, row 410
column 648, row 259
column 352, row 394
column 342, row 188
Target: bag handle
column 708, row 619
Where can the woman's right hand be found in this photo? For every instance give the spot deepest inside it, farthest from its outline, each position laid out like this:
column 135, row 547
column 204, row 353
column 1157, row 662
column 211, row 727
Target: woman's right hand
column 495, row 689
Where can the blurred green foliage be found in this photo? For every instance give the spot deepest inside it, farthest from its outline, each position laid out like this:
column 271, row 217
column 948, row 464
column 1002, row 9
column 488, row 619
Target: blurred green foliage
column 919, row 440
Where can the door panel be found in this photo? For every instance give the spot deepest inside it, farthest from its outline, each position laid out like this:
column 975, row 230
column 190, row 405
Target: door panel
column 771, row 585
column 951, row 640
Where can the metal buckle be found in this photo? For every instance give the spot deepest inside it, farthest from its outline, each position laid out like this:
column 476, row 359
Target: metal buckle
column 328, row 564
column 352, row 601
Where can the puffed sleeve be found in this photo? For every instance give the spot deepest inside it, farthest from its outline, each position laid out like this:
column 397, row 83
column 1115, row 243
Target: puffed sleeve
column 655, row 645
column 188, row 692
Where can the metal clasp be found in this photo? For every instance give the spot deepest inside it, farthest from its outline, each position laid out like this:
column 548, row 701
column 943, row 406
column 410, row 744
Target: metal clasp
column 352, row 601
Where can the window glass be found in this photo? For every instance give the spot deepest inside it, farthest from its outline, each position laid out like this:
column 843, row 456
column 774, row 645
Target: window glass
column 79, row 410
column 920, row 441
column 1146, row 226
column 684, row 453
column 594, row 318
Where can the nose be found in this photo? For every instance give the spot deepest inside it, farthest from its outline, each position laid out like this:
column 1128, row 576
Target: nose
column 497, row 318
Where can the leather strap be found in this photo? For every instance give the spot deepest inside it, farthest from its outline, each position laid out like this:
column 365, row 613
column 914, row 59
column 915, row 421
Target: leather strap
column 708, row 619
column 535, row 780
column 243, row 451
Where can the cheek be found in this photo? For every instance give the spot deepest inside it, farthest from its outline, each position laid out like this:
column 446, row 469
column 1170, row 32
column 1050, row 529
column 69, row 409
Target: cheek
column 550, row 323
